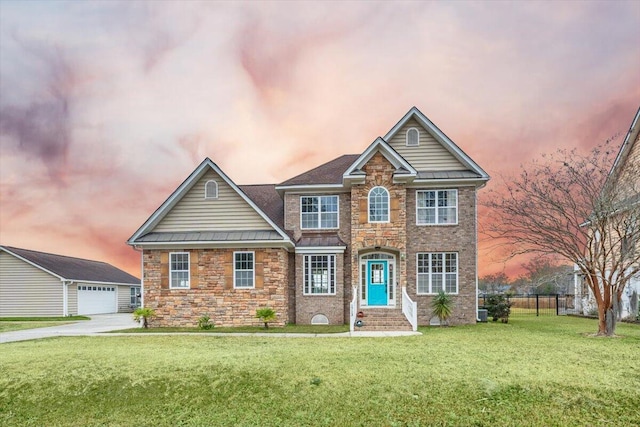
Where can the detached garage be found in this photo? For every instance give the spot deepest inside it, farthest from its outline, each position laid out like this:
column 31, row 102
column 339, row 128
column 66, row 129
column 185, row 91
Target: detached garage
column 41, row 284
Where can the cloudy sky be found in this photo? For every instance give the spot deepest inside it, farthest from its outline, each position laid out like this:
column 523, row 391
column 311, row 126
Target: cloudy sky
column 105, row 106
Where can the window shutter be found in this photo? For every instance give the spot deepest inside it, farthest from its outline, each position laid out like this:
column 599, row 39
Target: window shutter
column 164, row 270
column 193, row 270
column 228, row 270
column 395, row 209
column 259, row 269
column 364, row 206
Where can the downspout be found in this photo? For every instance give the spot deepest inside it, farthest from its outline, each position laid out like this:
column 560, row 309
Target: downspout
column 141, row 250
column 65, row 296
column 475, row 225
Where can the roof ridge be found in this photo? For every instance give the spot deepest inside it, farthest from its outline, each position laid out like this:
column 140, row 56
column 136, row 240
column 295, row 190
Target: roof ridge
column 52, row 254
column 318, row 167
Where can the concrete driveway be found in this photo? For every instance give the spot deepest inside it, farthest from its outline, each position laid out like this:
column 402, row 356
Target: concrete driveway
column 98, row 323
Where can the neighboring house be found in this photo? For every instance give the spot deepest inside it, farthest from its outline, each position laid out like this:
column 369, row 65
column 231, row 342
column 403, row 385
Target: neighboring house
column 378, row 233
column 42, row 284
column 624, row 174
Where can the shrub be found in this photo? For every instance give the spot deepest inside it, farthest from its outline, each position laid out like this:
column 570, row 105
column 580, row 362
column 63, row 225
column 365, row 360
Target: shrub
column 205, row 323
column 144, row 314
column 442, row 305
column 266, row 315
column 498, row 307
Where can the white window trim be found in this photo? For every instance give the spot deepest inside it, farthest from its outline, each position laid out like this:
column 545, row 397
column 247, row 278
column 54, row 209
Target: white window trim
column 430, row 273
column 253, row 270
column 388, row 206
column 335, row 275
column 392, row 277
column 407, row 137
column 320, row 213
column 205, row 189
column 188, row 271
column 436, row 223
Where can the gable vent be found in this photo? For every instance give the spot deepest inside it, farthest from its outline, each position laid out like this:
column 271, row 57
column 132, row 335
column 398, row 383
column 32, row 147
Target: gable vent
column 211, row 190
column 413, row 137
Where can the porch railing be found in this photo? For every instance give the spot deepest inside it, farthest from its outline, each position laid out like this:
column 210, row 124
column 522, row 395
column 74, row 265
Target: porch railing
column 409, row 309
column 353, row 309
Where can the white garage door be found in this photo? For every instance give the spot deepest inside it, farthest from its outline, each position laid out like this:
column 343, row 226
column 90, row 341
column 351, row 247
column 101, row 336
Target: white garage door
column 97, row 299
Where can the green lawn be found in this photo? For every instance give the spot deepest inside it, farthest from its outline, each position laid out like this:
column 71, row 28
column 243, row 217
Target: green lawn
column 542, row 371
column 8, row 324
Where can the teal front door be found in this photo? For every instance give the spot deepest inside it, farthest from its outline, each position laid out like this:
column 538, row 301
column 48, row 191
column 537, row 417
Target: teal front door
column 377, row 282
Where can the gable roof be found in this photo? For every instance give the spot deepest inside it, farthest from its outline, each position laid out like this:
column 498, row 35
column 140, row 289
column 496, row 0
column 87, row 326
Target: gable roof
column 380, row 145
column 75, row 269
column 446, row 142
column 327, row 173
column 206, row 165
column 268, row 200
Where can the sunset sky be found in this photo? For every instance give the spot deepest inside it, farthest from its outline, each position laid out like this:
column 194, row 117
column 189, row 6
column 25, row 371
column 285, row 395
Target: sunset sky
column 106, row 107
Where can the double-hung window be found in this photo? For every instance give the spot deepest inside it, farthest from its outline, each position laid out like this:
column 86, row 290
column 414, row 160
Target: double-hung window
column 436, row 207
column 179, row 270
column 318, row 212
column 437, row 272
column 243, row 270
column 378, row 205
column 319, row 274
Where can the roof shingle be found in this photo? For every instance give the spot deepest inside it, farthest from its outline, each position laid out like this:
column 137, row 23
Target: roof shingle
column 76, row 269
column 268, row 200
column 327, row 173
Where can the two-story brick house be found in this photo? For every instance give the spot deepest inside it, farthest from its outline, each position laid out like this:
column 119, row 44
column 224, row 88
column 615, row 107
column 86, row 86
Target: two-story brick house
column 377, row 233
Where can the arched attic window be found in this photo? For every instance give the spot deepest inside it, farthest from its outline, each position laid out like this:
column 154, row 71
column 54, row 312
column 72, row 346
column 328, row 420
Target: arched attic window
column 211, row 190
column 378, row 205
column 413, row 137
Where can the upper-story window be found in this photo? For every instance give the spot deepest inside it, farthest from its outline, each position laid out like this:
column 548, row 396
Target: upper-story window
column 318, row 212
column 436, row 207
column 211, row 190
column 413, row 137
column 378, row 205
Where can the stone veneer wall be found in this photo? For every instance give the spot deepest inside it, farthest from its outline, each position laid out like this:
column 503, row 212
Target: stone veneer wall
column 391, row 236
column 459, row 238
column 212, row 293
column 335, row 307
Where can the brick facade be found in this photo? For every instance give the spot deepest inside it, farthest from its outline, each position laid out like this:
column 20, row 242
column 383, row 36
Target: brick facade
column 400, row 237
column 279, row 272
column 460, row 238
column 212, row 293
column 335, row 306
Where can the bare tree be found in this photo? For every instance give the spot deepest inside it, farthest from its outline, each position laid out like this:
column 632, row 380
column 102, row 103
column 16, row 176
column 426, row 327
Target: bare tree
column 545, row 276
column 495, row 283
column 575, row 207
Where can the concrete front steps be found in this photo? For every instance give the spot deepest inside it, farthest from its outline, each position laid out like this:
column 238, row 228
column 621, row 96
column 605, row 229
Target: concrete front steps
column 383, row 319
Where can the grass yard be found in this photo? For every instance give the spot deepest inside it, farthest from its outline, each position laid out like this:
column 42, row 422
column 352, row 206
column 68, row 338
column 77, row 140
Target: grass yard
column 530, row 372
column 8, row 324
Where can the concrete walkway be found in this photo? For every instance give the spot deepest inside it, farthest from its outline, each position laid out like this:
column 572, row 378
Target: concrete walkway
column 282, row 335
column 113, row 322
column 98, row 323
